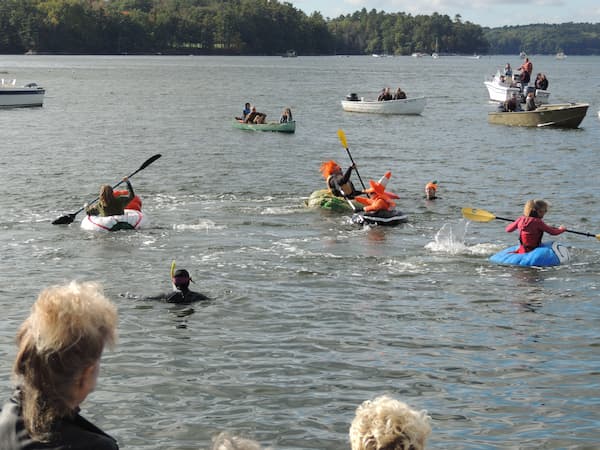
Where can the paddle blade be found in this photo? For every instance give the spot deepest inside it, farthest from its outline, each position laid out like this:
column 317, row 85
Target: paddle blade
column 64, row 220
column 342, row 137
column 149, row 161
column 477, row 215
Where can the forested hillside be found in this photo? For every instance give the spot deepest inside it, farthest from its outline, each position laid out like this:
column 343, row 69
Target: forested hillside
column 262, row 27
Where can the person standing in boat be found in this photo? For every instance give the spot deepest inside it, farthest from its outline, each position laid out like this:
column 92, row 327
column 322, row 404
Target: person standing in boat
column 508, row 70
column 57, row 364
column 526, row 70
column 339, row 183
column 181, row 294
column 531, row 226
column 109, row 204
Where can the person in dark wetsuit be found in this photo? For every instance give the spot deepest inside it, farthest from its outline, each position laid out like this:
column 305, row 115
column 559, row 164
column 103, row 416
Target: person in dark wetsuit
column 58, row 359
column 181, row 294
column 338, row 182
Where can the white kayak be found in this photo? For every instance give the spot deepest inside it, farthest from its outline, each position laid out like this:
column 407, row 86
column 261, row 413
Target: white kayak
column 132, row 219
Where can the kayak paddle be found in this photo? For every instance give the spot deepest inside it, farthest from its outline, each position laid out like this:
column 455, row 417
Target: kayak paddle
column 481, row 215
column 69, row 218
column 344, row 142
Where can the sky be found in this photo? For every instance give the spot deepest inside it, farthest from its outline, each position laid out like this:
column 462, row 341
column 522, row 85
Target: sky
column 487, row 13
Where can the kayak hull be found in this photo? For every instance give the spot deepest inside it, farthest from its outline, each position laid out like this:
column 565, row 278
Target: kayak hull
column 382, row 218
column 546, row 255
column 131, row 220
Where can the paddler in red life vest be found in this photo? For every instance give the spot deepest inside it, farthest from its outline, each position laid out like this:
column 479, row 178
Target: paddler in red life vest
column 108, row 203
column 339, row 183
column 380, row 199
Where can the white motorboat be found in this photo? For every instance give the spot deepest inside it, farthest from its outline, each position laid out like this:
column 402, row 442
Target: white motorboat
column 408, row 106
column 501, row 89
column 13, row 96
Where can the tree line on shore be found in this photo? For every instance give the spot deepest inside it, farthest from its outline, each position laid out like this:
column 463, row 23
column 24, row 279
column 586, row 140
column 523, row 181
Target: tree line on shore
column 263, row 27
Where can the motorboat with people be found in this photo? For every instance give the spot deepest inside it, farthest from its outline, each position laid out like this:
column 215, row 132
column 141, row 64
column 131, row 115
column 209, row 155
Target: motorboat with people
column 407, row 106
column 13, row 96
column 561, row 115
column 501, row 88
column 546, row 255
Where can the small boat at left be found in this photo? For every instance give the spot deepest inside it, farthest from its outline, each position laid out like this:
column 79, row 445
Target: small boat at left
column 132, row 219
column 286, row 127
column 13, row 96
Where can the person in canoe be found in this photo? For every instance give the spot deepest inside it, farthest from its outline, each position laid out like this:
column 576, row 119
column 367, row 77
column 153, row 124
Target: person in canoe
column 338, row 182
column 286, row 116
column 531, row 226
column 56, row 367
column 245, row 112
column 181, row 294
column 380, row 199
column 387, row 423
column 109, row 204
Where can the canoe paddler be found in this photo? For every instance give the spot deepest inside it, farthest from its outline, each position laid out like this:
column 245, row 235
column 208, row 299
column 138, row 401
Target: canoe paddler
column 109, row 204
column 338, row 182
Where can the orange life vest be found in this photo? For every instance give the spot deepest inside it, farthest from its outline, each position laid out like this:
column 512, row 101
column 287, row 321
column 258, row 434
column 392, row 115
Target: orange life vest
column 135, row 203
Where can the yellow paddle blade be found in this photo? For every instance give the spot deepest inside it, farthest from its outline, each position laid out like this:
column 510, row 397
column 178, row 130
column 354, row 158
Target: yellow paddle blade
column 342, row 137
column 172, row 268
column 477, row 215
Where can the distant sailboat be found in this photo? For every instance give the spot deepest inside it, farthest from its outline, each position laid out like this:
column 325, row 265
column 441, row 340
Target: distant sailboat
column 561, row 55
column 435, row 54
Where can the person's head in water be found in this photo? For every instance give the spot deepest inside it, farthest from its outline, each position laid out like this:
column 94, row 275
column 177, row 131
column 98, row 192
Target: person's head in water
column 181, row 280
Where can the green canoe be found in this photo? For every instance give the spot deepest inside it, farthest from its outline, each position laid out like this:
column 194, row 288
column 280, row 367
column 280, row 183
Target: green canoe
column 326, row 200
column 287, row 127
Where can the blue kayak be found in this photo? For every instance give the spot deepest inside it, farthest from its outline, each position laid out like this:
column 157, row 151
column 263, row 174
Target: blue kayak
column 547, row 254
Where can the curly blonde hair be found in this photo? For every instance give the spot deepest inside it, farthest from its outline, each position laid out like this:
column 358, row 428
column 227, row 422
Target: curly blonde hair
column 388, row 424
column 65, row 333
column 536, row 206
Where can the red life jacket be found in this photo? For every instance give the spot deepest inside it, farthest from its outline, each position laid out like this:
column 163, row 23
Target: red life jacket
column 135, row 203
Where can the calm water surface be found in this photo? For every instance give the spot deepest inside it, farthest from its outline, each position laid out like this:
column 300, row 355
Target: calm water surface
column 310, row 315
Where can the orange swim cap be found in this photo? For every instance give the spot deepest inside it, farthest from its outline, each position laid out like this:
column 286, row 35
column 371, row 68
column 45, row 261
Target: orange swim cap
column 328, row 167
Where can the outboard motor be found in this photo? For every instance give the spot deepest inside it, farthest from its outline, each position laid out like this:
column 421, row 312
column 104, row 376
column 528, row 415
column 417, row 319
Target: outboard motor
column 352, row 97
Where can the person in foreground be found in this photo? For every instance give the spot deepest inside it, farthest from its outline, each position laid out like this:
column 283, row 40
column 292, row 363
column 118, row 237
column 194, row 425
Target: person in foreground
column 109, row 204
column 181, row 294
column 388, row 424
column 339, row 183
column 532, row 227
column 56, row 367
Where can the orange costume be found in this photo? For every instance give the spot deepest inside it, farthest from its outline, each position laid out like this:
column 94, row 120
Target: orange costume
column 136, row 203
column 380, row 199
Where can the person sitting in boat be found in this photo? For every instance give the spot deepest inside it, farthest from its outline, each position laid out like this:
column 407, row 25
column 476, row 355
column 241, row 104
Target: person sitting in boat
column 541, row 82
column 532, row 227
column 431, row 190
column 513, row 104
column 245, row 112
column 400, row 94
column 255, row 116
column 507, row 70
column 379, row 199
column 530, row 102
column 339, row 183
column 110, row 205
column 286, row 116
column 385, row 95
column 181, row 294
column 387, row 423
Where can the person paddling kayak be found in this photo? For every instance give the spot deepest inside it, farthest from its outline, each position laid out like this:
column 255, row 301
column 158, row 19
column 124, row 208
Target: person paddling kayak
column 531, row 226
column 109, row 204
column 338, row 182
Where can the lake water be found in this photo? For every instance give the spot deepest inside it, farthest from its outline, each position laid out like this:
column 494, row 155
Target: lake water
column 310, row 315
